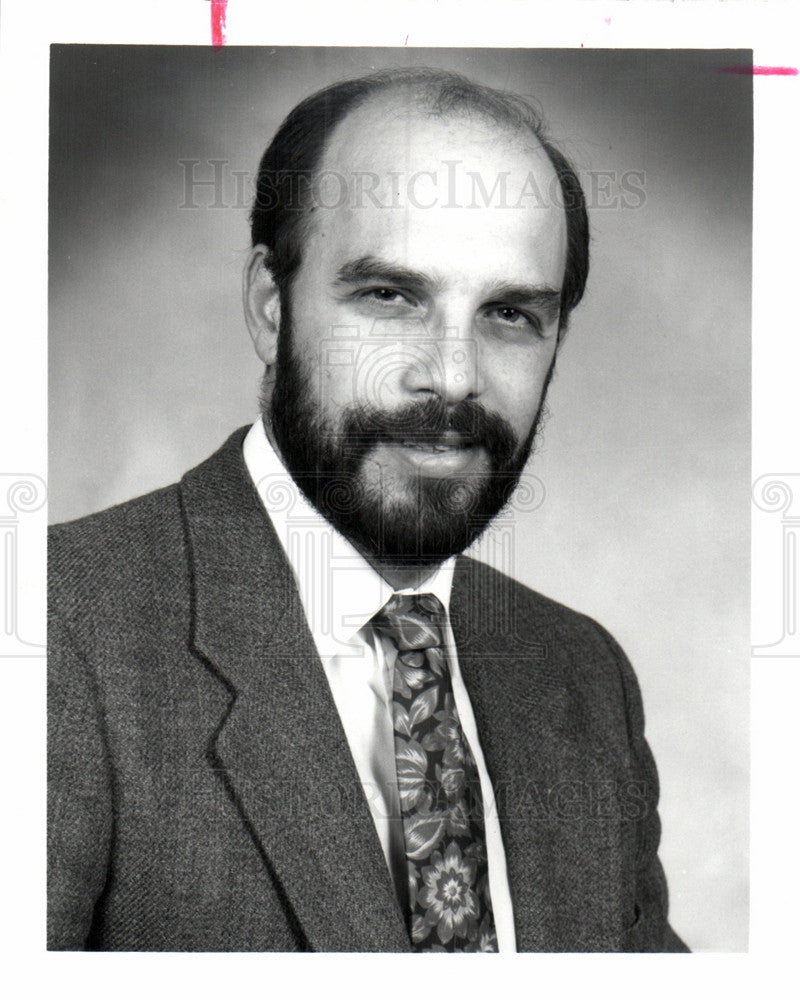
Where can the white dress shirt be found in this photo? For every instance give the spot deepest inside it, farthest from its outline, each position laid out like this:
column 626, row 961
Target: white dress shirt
column 340, row 593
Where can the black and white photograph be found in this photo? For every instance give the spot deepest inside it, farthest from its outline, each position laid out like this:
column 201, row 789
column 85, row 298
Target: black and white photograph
column 399, row 497
column 399, row 470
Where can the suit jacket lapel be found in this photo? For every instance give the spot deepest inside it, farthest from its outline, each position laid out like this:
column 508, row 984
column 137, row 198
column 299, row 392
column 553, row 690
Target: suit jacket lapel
column 281, row 745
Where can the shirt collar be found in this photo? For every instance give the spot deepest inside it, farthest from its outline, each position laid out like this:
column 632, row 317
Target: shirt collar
column 339, row 590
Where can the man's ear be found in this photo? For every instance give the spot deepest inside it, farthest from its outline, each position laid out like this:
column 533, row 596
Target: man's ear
column 262, row 304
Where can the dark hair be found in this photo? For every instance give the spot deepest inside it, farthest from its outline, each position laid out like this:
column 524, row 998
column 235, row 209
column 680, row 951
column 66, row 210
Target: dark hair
column 289, row 164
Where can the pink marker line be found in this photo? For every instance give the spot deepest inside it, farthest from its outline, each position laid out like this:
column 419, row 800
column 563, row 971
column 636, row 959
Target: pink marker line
column 218, row 11
column 760, row 70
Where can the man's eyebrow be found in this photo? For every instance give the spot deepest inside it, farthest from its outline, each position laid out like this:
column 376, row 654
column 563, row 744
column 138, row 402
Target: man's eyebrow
column 545, row 298
column 364, row 269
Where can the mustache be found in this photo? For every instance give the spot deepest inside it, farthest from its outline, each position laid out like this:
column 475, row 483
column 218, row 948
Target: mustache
column 427, row 422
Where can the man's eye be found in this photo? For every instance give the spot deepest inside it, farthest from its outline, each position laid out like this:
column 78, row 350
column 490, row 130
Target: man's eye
column 388, row 295
column 511, row 316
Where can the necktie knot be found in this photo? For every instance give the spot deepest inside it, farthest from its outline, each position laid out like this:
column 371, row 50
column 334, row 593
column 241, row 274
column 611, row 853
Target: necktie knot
column 412, row 621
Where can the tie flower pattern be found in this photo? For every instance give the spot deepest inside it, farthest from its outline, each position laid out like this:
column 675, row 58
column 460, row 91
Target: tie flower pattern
column 440, row 797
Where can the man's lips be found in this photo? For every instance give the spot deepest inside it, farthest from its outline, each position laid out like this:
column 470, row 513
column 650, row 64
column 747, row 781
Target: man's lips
column 433, row 447
column 449, row 441
column 445, row 454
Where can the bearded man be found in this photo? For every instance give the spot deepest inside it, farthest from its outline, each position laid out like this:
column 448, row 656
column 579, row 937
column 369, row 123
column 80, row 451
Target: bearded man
column 286, row 713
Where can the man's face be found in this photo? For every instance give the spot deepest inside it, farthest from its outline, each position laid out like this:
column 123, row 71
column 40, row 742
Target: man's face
column 422, row 330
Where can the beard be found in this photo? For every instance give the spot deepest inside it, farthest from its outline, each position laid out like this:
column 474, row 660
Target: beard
column 425, row 519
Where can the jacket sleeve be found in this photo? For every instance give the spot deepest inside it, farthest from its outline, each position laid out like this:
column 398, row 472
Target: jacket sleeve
column 651, row 931
column 79, row 798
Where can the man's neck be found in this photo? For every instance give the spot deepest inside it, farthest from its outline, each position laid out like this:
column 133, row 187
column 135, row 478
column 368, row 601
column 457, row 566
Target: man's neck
column 400, row 577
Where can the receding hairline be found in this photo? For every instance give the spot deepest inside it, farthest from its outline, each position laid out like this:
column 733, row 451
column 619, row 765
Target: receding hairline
column 441, row 95
column 445, row 91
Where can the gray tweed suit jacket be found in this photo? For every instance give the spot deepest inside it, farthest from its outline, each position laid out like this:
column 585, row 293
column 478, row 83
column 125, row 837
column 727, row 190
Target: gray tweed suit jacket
column 202, row 796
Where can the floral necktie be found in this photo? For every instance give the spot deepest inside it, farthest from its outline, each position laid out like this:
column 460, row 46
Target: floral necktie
column 440, row 796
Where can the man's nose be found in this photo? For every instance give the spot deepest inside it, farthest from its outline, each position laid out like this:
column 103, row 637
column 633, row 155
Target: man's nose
column 445, row 362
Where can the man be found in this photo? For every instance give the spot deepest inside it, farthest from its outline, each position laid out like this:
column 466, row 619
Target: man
column 285, row 714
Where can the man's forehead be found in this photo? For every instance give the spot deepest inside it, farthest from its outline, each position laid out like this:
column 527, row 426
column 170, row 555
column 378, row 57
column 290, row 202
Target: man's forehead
column 401, row 182
column 396, row 132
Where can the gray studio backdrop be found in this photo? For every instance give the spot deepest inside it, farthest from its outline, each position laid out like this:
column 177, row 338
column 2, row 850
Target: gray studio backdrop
column 642, row 514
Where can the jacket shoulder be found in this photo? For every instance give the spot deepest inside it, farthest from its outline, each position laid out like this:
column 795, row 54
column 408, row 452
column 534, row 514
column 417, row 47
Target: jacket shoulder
column 115, row 545
column 131, row 562
column 117, row 533
column 565, row 644
column 533, row 613
column 101, row 567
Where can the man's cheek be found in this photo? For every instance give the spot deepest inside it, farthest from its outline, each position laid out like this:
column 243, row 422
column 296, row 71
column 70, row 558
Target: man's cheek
column 517, row 418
